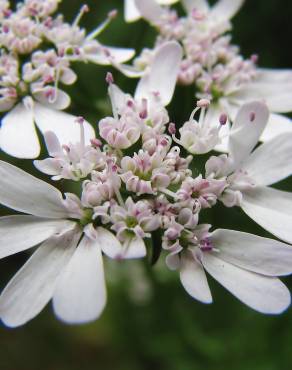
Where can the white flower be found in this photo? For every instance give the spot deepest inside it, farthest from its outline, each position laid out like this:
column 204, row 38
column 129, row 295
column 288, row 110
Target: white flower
column 247, row 265
column 132, row 13
column 66, row 267
column 249, row 174
column 222, row 11
column 202, row 136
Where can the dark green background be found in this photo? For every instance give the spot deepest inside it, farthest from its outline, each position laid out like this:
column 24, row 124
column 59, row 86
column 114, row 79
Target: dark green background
column 164, row 329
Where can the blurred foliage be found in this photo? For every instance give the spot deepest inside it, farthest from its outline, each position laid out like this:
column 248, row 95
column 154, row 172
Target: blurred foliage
column 150, row 322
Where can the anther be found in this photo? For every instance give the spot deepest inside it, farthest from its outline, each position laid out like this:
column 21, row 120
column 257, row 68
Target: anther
column 252, row 116
column 223, row 119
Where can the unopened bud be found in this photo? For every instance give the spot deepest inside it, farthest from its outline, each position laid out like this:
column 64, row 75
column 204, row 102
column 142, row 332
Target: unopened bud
column 96, row 143
column 172, row 128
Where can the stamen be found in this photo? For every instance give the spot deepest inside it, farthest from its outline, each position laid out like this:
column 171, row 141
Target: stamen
column 84, row 9
column 109, row 78
column 111, row 15
column 81, row 120
column 143, row 114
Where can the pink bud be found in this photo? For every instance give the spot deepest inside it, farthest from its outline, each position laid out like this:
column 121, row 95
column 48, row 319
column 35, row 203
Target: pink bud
column 96, row 143
column 171, row 128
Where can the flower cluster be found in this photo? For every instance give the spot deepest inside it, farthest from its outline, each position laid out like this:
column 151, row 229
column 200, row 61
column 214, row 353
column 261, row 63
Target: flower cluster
column 139, row 187
column 212, row 63
column 37, row 52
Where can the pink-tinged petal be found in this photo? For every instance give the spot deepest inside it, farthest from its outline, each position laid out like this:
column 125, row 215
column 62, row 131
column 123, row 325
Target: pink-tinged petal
column 111, row 55
column 149, row 10
column 27, row 194
column 33, row 286
column 224, row 10
column 131, row 13
column 162, row 75
column 249, row 124
column 265, row 294
column 277, row 124
column 80, row 295
column 21, row 232
column 271, row 209
column 64, row 125
column 271, row 162
column 60, row 102
column 201, row 5
column 254, row 253
column 109, row 244
column 194, row 280
column 18, row 135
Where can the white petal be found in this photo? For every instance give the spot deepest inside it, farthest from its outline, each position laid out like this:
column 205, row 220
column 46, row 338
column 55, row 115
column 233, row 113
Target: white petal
column 224, row 10
column 26, row 193
column 201, row 5
column 162, row 75
column 247, row 128
column 32, row 287
column 254, row 253
column 277, row 124
column 113, row 55
column 270, row 208
column 49, row 166
column 274, row 75
column 271, row 162
column 277, row 95
column 80, row 295
column 167, row 2
column 18, row 135
column 150, row 10
column 135, row 249
column 128, row 70
column 21, row 232
column 118, row 97
column 194, row 280
column 63, row 124
column 131, row 12
column 61, row 102
column 109, row 244
column 264, row 294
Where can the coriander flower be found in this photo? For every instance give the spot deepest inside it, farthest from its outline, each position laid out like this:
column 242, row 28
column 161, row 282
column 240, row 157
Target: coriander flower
column 246, row 265
column 249, row 173
column 67, row 267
